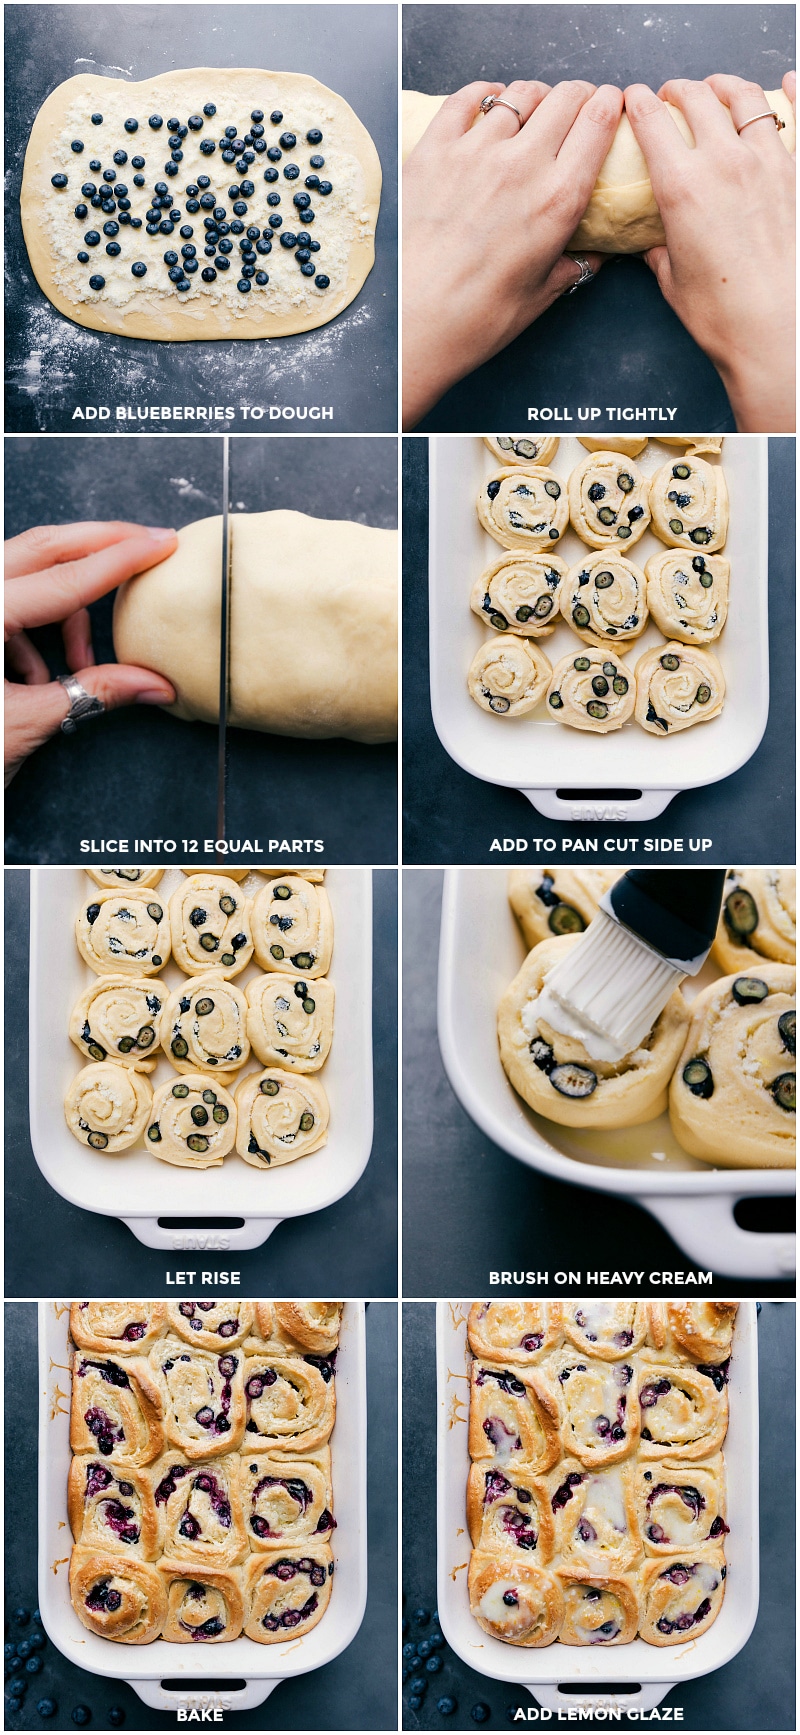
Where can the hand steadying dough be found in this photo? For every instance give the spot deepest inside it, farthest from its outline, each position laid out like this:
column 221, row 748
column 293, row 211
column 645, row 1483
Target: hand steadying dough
column 728, row 213
column 485, row 256
column 51, row 573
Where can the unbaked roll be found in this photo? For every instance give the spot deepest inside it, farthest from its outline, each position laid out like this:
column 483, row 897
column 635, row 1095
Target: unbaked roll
column 758, row 921
column 117, row 1595
column 629, row 444
column 205, row 1604
column 111, row 1507
column 550, row 901
column 514, row 1600
column 203, row 1397
column 129, row 1327
column 520, row 592
column 115, row 879
column 288, row 1592
column 524, row 506
column 289, row 1023
column 107, row 1106
column 216, row 1325
column 595, row 691
column 689, row 504
column 209, row 921
column 293, row 927
column 117, row 1018
column 315, row 875
column 225, row 873
column 291, row 1407
column 604, row 597
column 596, row 1526
column 600, row 1416
column 117, row 1408
column 513, row 1417
column 732, row 1099
column 203, row 1028
column 192, row 1122
column 684, row 1411
column 558, row 1077
column 280, row 1116
column 687, row 595
column 681, row 1598
column 199, row 1508
column 680, row 1506
column 677, row 686
column 514, row 1332
column 120, row 933
column 522, row 448
column 509, row 676
column 697, row 444
column 505, row 1515
column 608, row 500
column 599, row 1609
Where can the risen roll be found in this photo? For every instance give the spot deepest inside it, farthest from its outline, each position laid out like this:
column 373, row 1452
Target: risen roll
column 117, row 1595
column 758, row 922
column 676, row 686
column 210, row 924
column 604, row 598
column 524, row 507
column 599, row 1609
column 514, row 1600
column 286, row 1501
column 217, row 1325
column 596, row 1528
column 732, row 1099
column 118, row 1017
column 557, row 1076
column 288, row 1592
column 291, row 1407
column 595, row 691
column 684, row 1411
column 520, row 591
column 513, row 1418
column 114, row 879
column 701, row 1330
column 205, row 1604
column 111, row 1507
column 192, row 1122
column 680, row 1505
column 290, row 1024
column 689, row 504
column 505, row 1515
column 107, row 1106
column 314, row 1325
column 280, row 1116
column 111, row 1325
column 199, row 1507
column 522, row 448
column 203, row 1397
column 117, row 1408
column 514, row 1332
column 608, row 1330
column 682, row 1597
column 600, row 1417
column 293, row 927
column 123, row 934
column 509, row 676
column 549, row 901
column 608, row 501
column 203, row 1028
column 688, row 595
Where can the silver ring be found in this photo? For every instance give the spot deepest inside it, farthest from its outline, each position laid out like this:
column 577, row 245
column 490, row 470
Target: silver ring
column 587, row 274
column 766, row 114
column 81, row 703
column 490, row 102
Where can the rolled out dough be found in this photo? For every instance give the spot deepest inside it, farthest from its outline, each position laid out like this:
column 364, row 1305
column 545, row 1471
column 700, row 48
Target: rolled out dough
column 313, row 624
column 150, row 306
column 622, row 215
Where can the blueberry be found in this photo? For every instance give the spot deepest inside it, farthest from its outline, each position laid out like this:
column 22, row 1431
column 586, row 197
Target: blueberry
column 138, row 268
column 480, row 1713
column 422, row 1616
column 446, row 1707
column 36, row 1614
column 424, row 1647
column 433, row 1665
column 417, row 1684
column 511, row 1713
column 436, row 1641
column 14, row 1665
column 322, row 282
column 33, row 1665
column 408, row 1650
column 36, row 1642
column 24, row 1649
column 81, row 1713
column 414, row 1702
column 10, row 1650
column 59, row 181
column 116, row 1716
column 47, row 1708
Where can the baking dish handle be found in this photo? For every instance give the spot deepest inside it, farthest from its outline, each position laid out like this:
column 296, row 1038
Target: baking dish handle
column 603, row 807
column 553, row 1697
column 706, row 1228
column 163, row 1698
column 194, row 1237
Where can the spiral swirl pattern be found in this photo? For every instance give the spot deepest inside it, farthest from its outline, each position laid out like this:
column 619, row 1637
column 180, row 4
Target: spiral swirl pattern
column 192, row 1123
column 210, row 924
column 515, row 1601
column 522, row 448
column 689, row 504
column 293, row 927
column 281, row 1116
column 595, row 691
column 286, row 1504
column 204, row 1606
column 288, row 1592
column 732, row 1097
column 203, row 1028
column 117, row 1596
column 520, row 592
column 688, row 595
column 290, row 1406
column 290, row 1024
column 677, row 686
column 509, row 676
column 199, row 1509
column 604, row 598
column 123, row 934
column 107, row 1106
column 608, row 501
column 203, row 1392
column 524, row 507
column 117, row 1017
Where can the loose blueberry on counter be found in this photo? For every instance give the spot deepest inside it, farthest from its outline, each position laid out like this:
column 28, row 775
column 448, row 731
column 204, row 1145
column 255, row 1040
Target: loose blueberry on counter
column 270, row 174
column 446, row 1706
column 116, row 1716
column 33, row 1666
column 262, row 278
column 317, row 162
column 95, row 165
column 273, row 198
column 47, row 1708
column 275, row 222
column 480, row 1713
column 81, row 1714
column 415, row 1701
column 243, row 286
column 433, row 1665
column 417, row 1684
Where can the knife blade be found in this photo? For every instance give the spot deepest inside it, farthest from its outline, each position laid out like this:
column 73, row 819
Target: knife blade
column 224, row 649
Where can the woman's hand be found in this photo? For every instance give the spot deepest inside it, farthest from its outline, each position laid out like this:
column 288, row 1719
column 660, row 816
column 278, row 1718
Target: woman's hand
column 52, row 572
column 728, row 213
column 487, row 213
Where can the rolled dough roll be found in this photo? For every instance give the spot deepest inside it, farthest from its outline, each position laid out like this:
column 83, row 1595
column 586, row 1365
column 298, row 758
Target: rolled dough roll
column 313, row 624
column 622, row 215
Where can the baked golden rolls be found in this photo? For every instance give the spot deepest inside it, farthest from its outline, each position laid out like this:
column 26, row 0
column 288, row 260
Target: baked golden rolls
column 217, row 1325
column 288, row 1592
column 293, row 927
column 312, row 1325
column 606, row 1329
column 524, row 507
column 514, row 1600
column 280, row 1116
column 199, row 1510
column 514, row 1332
column 513, row 1418
column 732, row 1100
column 107, row 1106
column 596, row 1525
column 286, row 1502
column 509, row 676
column 291, row 1407
column 684, row 1411
column 210, row 925
column 192, row 1122
column 123, row 933
column 599, row 1609
column 117, row 1596
column 203, row 1028
column 290, row 1024
column 205, row 1604
column 504, row 1515
column 202, row 1397
column 608, row 501
column 604, row 599
column 117, row 1408
column 758, row 920
column 699, row 1330
column 595, row 690
column 599, row 1408
column 677, row 686
column 687, row 595
column 117, row 1018
column 689, row 504
column 680, row 1506
column 682, row 1598
column 519, row 593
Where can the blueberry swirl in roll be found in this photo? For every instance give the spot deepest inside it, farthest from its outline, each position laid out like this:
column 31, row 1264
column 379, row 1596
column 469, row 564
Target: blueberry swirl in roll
column 608, row 501
column 513, row 1418
column 599, row 1609
column 606, row 1329
column 205, row 1604
column 758, row 921
column 199, row 1509
column 123, row 933
column 684, row 1411
column 114, row 879
column 210, row 924
column 518, row 1333
column 286, row 1502
column 124, row 1327
column 117, row 1018
column 514, row 1600
column 111, row 1507
column 733, row 1095
column 311, row 1325
column 203, row 1397
column 677, row 686
column 681, row 1505
column 280, row 1116
column 117, row 1596
column 117, row 1408
column 689, row 504
column 293, row 927
column 288, row 1592
column 599, row 1408
column 289, row 1022
column 604, row 598
column 524, row 507
column 508, row 1512
column 215, row 1325
column 192, row 1122
column 688, row 595
column 595, row 691
column 520, row 593
column 594, row 1512
column 682, row 1597
column 291, row 1407
column 107, row 1106
column 522, row 448
column 549, row 901
column 509, row 676
column 203, row 1028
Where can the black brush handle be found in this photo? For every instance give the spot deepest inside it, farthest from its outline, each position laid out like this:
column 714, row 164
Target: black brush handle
column 676, row 910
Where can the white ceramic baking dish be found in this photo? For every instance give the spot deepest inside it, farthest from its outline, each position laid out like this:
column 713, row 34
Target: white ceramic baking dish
column 572, row 774
column 135, row 1186
column 634, row 1676
column 147, row 1668
column 481, row 949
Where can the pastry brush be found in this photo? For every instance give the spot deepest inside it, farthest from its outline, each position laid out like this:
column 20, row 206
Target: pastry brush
column 653, row 928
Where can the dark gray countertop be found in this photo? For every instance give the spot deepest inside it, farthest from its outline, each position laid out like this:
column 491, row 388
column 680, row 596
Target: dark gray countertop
column 616, row 343
column 349, row 1249
column 449, row 816
column 341, row 791
column 755, row 1690
column 358, row 1690
column 468, row 1207
column 53, row 365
